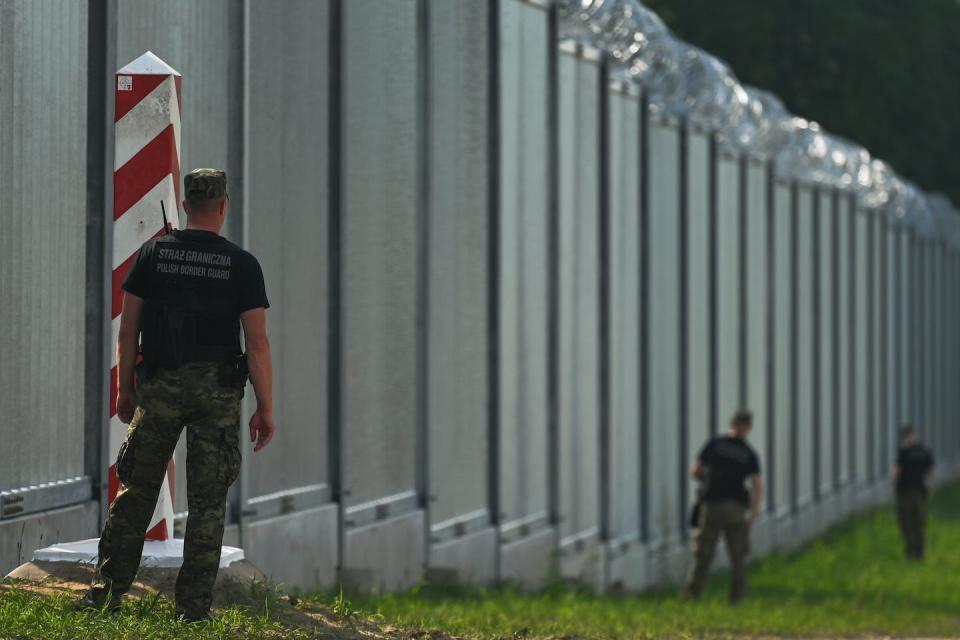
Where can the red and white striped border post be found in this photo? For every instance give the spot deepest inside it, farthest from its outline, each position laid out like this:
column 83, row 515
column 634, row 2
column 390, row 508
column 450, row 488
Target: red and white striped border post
column 146, row 171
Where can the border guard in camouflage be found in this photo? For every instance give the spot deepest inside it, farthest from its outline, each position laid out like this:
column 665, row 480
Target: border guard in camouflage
column 911, row 474
column 724, row 465
column 185, row 300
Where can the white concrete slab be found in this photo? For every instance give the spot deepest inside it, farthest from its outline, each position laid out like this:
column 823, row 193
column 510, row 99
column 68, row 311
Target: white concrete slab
column 627, row 568
column 298, row 549
column 386, row 555
column 160, row 554
column 585, row 567
column 529, row 561
column 469, row 559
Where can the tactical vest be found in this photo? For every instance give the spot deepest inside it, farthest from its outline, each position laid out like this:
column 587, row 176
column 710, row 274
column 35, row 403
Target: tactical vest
column 171, row 323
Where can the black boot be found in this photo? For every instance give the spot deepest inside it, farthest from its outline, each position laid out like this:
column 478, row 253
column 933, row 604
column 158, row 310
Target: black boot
column 97, row 600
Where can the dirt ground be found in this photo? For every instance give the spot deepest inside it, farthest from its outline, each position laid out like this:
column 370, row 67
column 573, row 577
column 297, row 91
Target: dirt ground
column 241, row 585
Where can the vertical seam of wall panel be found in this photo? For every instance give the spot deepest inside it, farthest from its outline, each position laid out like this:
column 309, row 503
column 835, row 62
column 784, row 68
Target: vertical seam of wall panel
column 742, row 279
column 940, row 342
column 851, row 222
column 897, row 328
column 236, row 118
column 604, row 290
column 553, row 273
column 493, row 266
column 96, row 316
column 909, row 264
column 938, row 338
column 836, row 418
column 424, row 213
column 238, row 504
column 920, row 332
column 682, row 366
column 871, row 423
column 794, row 344
column 107, row 238
column 334, row 399
column 644, row 368
column 713, row 261
column 814, row 312
column 770, row 328
column 882, row 419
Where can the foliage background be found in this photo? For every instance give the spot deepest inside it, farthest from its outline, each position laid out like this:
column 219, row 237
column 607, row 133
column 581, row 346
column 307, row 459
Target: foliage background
column 884, row 73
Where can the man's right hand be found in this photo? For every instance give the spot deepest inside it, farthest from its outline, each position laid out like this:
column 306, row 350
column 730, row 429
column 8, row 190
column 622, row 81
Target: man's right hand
column 262, row 428
column 126, row 406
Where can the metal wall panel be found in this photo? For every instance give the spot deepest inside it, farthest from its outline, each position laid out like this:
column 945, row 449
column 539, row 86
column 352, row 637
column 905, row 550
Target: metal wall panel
column 930, row 341
column 951, row 295
column 911, row 335
column 458, row 246
column 380, row 204
column 729, row 287
column 757, row 309
column 523, row 304
column 922, row 327
column 881, row 436
column 904, row 374
column 924, row 270
column 937, row 342
column 203, row 41
column 891, row 361
column 43, row 191
column 904, row 333
column 845, row 343
column 579, row 301
column 825, row 374
column 699, row 274
column 784, row 326
column 662, row 493
column 286, row 228
column 862, row 341
column 806, row 421
column 624, row 321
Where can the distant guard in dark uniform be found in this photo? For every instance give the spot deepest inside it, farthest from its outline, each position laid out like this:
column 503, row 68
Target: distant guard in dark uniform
column 724, row 465
column 914, row 466
column 185, row 300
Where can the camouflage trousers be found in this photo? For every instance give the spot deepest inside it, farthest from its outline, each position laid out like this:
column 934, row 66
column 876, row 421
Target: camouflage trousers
column 728, row 518
column 190, row 397
column 912, row 516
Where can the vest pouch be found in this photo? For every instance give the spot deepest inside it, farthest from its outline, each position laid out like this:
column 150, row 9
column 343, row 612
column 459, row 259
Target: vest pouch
column 164, row 336
column 234, row 374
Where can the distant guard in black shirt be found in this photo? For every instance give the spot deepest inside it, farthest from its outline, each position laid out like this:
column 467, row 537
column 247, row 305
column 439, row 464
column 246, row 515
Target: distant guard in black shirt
column 185, row 300
column 724, row 465
column 914, row 466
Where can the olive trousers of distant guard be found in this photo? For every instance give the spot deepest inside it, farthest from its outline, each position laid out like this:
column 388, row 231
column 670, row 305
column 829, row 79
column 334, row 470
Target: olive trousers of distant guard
column 192, row 397
column 912, row 515
column 728, row 518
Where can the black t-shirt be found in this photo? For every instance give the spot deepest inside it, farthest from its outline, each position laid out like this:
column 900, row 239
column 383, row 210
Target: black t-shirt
column 204, row 273
column 729, row 462
column 914, row 461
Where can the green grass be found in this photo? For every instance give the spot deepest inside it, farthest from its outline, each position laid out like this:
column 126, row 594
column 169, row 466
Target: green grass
column 854, row 581
column 24, row 614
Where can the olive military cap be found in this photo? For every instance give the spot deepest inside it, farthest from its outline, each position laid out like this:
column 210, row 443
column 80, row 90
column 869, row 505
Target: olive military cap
column 205, row 184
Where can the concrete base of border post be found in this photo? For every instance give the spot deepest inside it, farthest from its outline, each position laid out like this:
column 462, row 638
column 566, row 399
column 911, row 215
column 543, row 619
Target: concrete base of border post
column 74, row 563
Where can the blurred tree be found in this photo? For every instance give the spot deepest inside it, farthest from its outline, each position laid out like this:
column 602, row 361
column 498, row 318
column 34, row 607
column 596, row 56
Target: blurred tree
column 884, row 73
